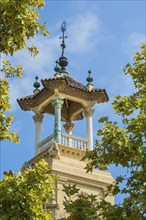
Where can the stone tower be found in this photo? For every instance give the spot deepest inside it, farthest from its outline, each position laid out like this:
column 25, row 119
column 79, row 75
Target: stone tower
column 67, row 100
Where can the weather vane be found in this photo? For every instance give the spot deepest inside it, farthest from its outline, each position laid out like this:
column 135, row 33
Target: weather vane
column 63, row 29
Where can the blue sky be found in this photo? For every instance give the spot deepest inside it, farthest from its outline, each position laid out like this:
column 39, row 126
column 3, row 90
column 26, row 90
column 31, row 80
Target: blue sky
column 102, row 36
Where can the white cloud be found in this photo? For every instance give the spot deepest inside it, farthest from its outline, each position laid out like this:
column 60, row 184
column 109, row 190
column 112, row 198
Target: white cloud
column 47, row 54
column 137, row 39
column 84, row 6
column 120, row 85
column 20, row 88
column 83, row 31
column 132, row 43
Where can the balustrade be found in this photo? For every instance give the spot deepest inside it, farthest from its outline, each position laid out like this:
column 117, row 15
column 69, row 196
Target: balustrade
column 74, row 141
column 66, row 140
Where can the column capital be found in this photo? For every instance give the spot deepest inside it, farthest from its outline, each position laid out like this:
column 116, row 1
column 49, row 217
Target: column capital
column 57, row 103
column 68, row 126
column 38, row 117
column 89, row 111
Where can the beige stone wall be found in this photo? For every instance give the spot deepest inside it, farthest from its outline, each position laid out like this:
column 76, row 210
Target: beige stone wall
column 65, row 162
column 71, row 172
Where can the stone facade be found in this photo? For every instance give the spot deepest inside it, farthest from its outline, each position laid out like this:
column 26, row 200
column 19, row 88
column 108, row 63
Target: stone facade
column 66, row 163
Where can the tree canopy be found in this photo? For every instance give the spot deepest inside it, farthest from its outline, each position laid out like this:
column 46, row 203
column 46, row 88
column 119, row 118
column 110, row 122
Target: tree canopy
column 79, row 205
column 22, row 196
column 126, row 146
column 19, row 21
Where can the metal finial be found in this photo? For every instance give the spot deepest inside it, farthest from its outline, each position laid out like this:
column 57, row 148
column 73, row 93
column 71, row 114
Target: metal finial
column 89, row 71
column 57, row 68
column 36, row 78
column 63, row 29
column 36, row 84
column 89, row 78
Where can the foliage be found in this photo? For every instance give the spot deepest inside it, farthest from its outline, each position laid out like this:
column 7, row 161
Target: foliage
column 126, row 146
column 80, row 206
column 22, row 195
column 18, row 23
column 5, row 122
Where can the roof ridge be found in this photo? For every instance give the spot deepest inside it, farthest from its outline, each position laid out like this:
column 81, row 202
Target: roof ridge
column 74, row 81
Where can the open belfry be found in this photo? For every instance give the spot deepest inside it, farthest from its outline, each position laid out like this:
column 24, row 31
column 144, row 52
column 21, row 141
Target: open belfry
column 67, row 100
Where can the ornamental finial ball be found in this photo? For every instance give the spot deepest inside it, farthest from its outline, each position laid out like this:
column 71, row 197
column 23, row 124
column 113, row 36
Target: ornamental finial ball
column 63, row 62
column 56, row 68
column 36, row 84
column 89, row 78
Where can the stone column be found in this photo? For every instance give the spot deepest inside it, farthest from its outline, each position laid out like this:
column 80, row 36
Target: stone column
column 57, row 103
column 89, row 126
column 38, row 120
column 68, row 126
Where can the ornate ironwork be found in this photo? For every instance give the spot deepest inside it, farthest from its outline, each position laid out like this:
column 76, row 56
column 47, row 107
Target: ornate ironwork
column 63, row 29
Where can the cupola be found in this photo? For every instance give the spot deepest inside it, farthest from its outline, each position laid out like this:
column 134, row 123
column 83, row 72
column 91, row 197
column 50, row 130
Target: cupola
column 67, row 100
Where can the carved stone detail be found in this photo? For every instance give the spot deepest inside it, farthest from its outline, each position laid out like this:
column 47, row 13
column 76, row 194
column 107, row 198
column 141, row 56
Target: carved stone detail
column 89, row 112
column 90, row 87
column 68, row 126
column 54, row 151
column 57, row 103
column 38, row 117
column 24, row 166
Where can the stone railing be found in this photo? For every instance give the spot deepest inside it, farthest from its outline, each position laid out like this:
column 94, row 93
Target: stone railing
column 66, row 140
column 45, row 143
column 74, row 141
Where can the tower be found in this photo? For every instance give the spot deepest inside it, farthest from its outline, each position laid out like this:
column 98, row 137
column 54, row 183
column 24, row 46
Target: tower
column 67, row 100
